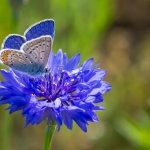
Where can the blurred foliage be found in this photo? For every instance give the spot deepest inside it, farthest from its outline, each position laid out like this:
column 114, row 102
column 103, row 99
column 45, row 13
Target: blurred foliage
column 136, row 132
column 117, row 34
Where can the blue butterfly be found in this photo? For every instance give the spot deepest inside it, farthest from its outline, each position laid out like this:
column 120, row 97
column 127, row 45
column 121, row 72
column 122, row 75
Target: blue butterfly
column 29, row 53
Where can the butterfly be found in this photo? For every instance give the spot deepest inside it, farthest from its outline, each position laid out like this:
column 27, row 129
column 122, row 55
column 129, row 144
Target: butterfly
column 29, row 53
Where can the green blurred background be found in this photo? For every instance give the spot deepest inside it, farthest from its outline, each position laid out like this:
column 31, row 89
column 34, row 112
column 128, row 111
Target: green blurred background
column 114, row 32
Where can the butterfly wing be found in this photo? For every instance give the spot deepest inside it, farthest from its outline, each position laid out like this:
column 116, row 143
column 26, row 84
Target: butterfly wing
column 38, row 50
column 33, row 55
column 31, row 59
column 44, row 27
column 18, row 61
column 13, row 41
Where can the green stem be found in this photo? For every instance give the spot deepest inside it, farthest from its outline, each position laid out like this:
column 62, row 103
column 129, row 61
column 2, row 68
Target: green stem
column 49, row 132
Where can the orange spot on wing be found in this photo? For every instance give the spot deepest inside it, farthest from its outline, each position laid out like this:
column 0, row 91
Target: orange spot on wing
column 4, row 57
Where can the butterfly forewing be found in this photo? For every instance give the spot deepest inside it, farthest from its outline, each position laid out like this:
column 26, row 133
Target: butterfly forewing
column 42, row 28
column 38, row 50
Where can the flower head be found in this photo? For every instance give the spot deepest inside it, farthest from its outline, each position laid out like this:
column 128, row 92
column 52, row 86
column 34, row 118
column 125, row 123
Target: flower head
column 66, row 93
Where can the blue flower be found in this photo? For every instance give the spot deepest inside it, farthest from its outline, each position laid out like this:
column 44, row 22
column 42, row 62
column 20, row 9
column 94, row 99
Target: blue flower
column 67, row 93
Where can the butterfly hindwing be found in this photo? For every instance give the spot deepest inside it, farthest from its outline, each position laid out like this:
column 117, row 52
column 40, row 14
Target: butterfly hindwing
column 45, row 27
column 18, row 61
column 38, row 50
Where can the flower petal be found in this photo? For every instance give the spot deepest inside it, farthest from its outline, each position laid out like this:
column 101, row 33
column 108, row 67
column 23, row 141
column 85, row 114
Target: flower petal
column 87, row 64
column 73, row 63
